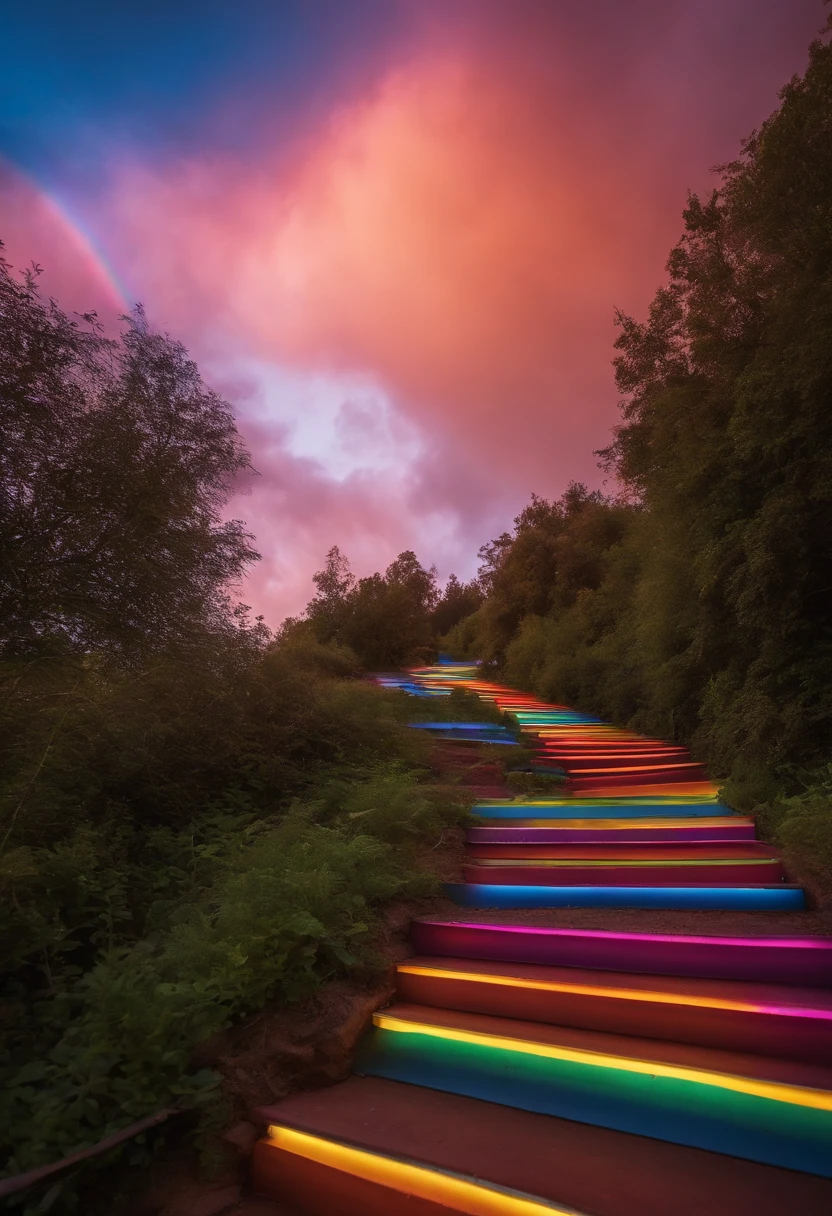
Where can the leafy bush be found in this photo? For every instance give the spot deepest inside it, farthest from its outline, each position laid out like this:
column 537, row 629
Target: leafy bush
column 261, row 910
column 803, row 821
column 196, row 817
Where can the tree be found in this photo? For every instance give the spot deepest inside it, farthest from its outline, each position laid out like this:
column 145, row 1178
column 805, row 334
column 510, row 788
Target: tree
column 457, row 601
column 727, row 437
column 554, row 552
column 115, row 466
column 386, row 620
column 331, row 608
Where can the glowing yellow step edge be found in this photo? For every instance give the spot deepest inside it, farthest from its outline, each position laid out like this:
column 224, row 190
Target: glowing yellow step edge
column 423, row 1182
column 776, row 1091
column 623, row 994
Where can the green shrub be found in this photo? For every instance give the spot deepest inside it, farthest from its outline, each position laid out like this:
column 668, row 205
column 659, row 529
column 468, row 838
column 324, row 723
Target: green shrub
column 270, row 909
column 802, row 823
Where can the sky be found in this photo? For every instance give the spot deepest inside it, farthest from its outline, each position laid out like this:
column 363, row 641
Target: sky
column 393, row 233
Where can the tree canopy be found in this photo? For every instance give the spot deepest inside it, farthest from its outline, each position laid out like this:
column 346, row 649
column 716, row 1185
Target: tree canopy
column 387, row 620
column 115, row 466
column 196, row 818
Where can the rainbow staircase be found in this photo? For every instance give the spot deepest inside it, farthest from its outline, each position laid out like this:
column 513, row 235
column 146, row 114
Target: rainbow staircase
column 529, row 1069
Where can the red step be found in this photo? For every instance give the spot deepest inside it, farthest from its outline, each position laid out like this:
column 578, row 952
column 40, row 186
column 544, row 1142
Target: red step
column 597, row 778
column 572, row 763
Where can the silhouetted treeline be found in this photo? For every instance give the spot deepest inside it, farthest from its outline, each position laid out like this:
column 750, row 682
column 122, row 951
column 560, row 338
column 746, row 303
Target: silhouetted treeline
column 386, row 620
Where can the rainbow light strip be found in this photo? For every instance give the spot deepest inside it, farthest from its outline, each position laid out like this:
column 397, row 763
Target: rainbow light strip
column 552, row 723
column 744, row 1116
column 453, row 1192
column 644, row 824
column 703, row 822
column 645, row 995
column 780, row 898
column 613, row 776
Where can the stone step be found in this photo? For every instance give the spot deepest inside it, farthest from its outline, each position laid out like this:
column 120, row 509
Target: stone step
column 572, row 1165
column 779, row 897
column 765, row 1019
column 695, row 872
column 799, row 961
column 774, row 1111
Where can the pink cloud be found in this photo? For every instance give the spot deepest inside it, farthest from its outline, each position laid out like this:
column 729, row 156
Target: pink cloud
column 460, row 235
column 301, row 512
column 444, row 235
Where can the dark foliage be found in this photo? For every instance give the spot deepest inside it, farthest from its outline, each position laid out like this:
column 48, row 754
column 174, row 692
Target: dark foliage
column 457, row 601
column 196, row 818
column 115, row 463
column 386, row 620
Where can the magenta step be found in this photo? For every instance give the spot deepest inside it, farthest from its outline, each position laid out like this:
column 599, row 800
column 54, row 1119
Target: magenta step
column 784, row 960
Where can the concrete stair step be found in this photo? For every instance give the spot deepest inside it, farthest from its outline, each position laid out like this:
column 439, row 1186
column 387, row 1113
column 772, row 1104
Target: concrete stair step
column 769, row 1019
column 693, row 872
column 764, row 1109
column 571, row 1165
column 776, row 897
column 798, row 961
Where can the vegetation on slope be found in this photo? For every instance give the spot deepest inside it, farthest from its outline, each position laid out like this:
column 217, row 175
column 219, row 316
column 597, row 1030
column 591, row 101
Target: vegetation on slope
column 197, row 818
